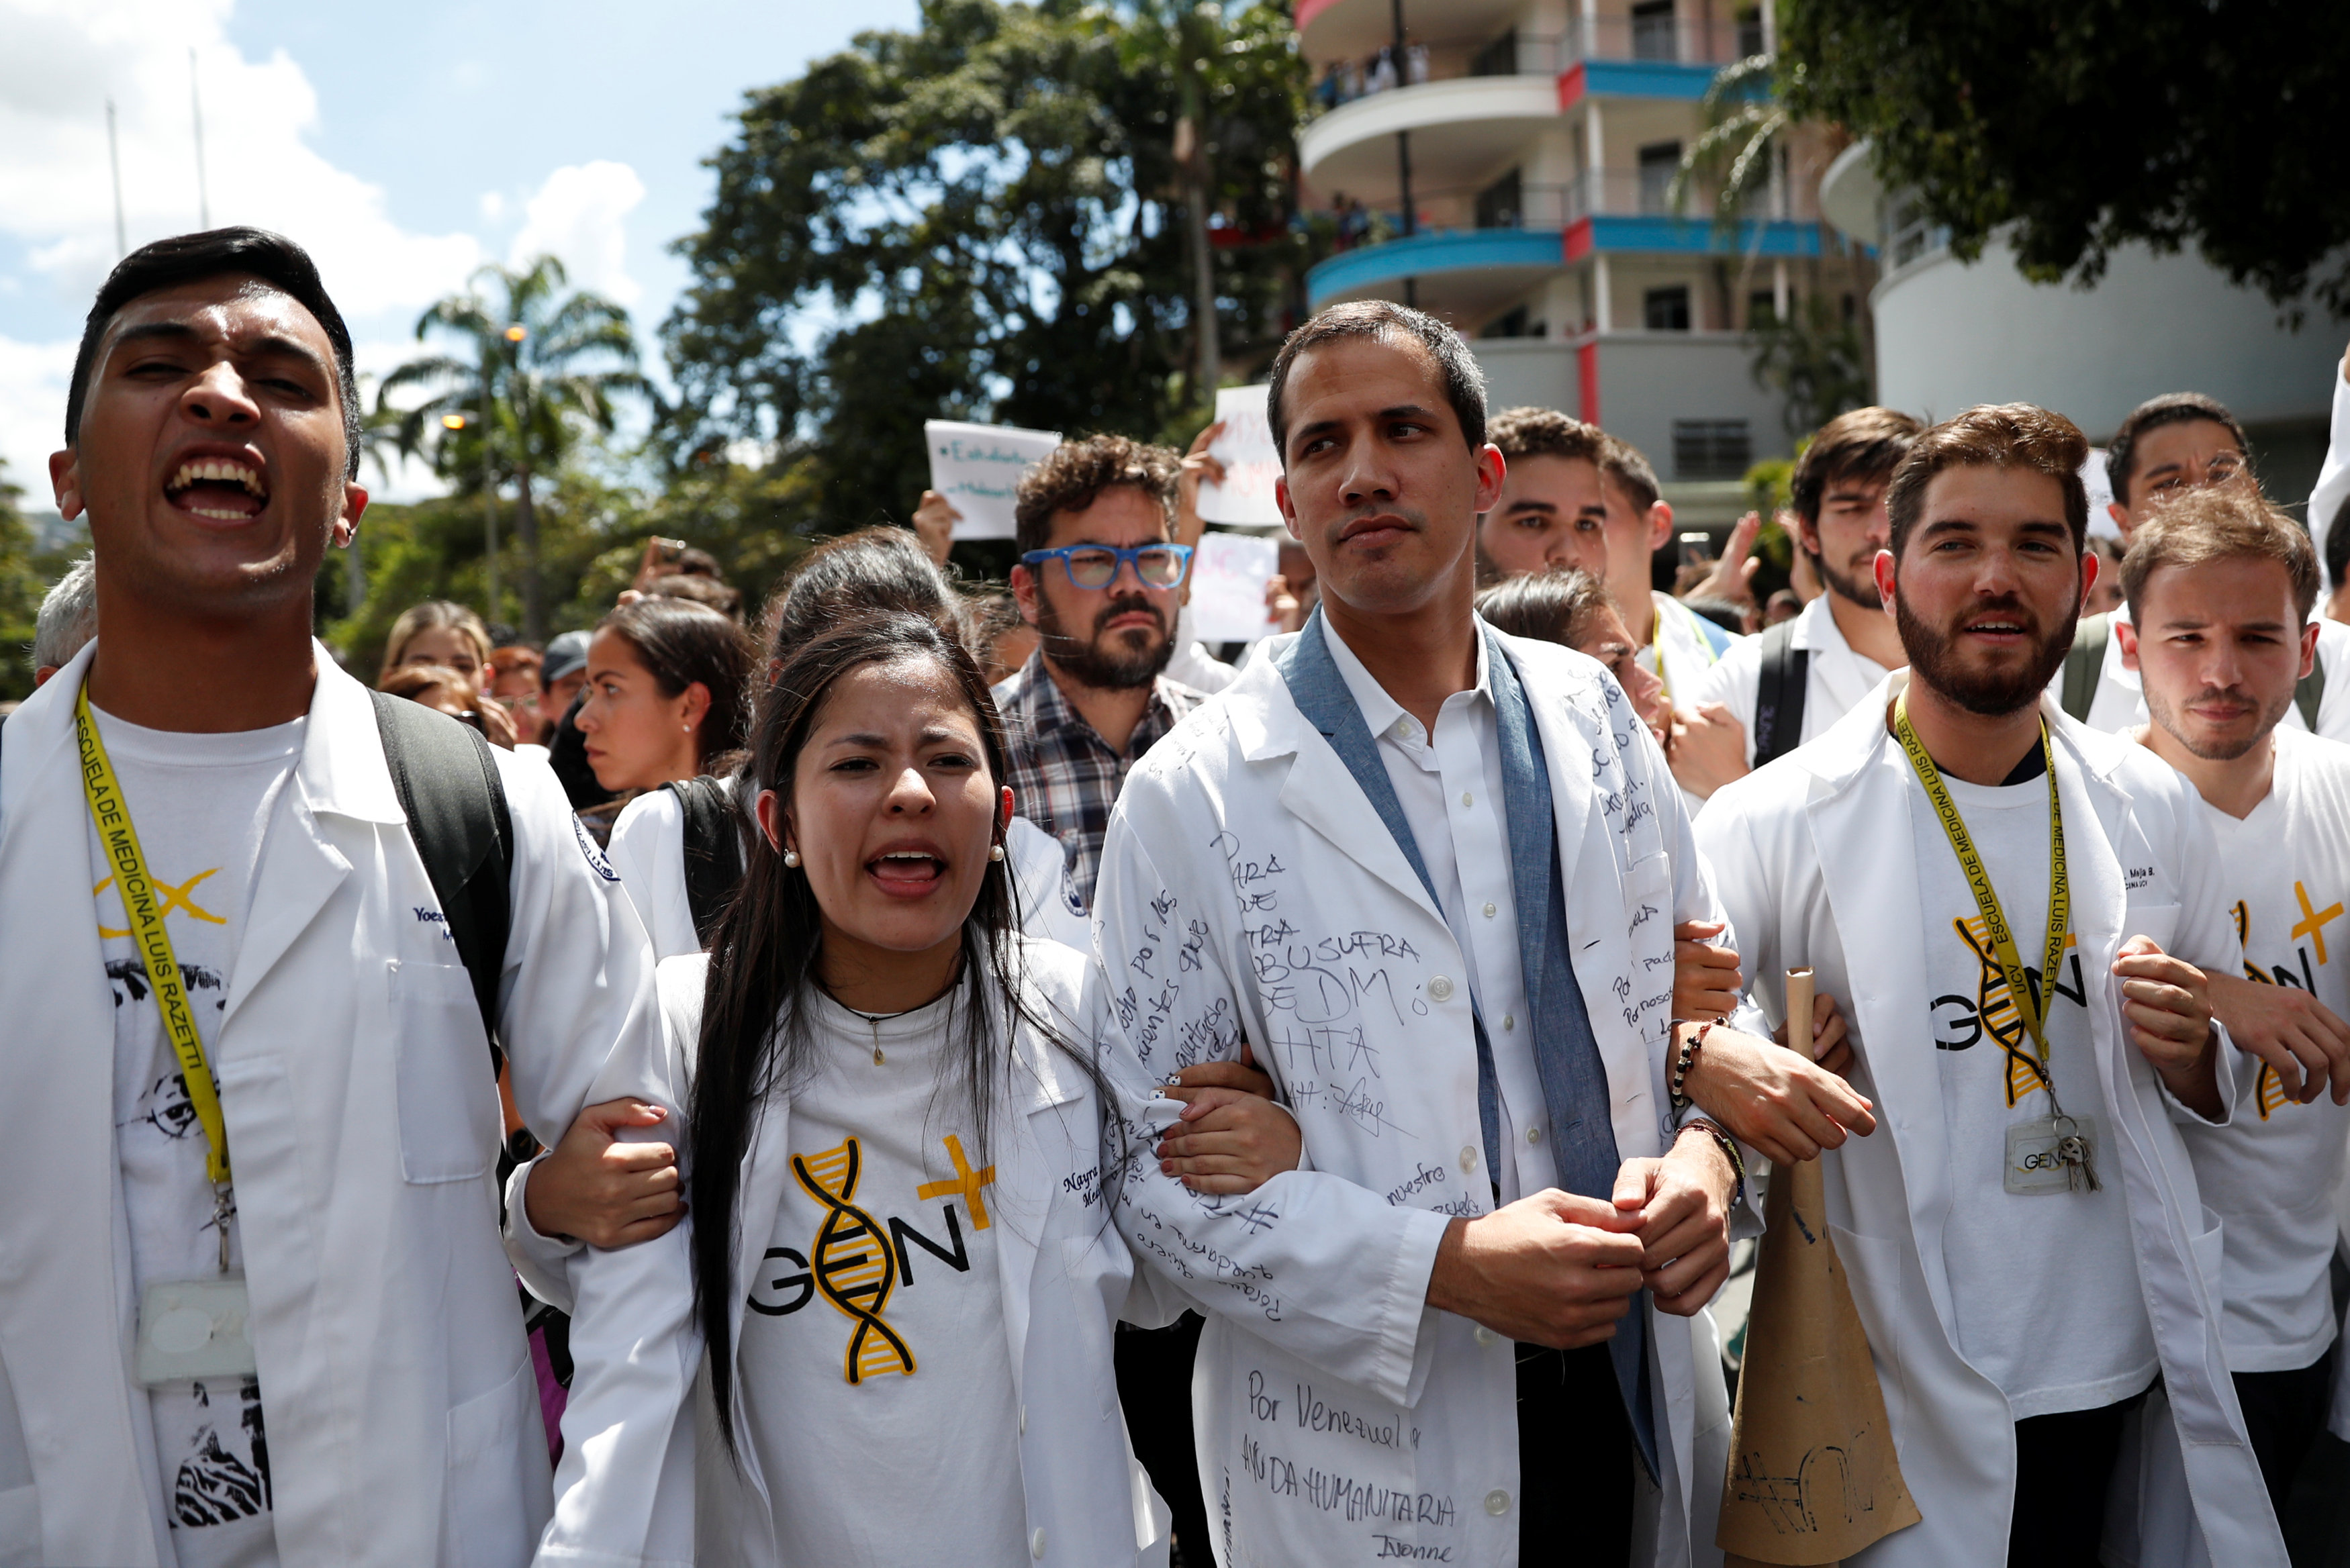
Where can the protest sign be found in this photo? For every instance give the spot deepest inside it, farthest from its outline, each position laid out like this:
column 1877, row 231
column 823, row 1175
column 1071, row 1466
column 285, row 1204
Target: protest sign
column 1227, row 576
column 1250, row 463
column 978, row 467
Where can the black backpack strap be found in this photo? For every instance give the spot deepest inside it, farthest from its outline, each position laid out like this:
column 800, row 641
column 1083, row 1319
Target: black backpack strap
column 2310, row 691
column 2085, row 666
column 713, row 849
column 456, row 806
column 1784, row 682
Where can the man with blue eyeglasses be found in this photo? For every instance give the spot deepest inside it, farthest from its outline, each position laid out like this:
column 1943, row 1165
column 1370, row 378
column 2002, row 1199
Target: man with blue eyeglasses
column 1101, row 580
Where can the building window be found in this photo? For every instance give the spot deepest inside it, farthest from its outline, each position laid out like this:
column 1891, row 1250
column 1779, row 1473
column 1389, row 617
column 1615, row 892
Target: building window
column 1498, row 58
column 1501, row 205
column 1750, row 30
column 1762, row 310
column 1712, row 449
column 1512, row 323
column 1666, row 309
column 1653, row 31
column 1659, row 162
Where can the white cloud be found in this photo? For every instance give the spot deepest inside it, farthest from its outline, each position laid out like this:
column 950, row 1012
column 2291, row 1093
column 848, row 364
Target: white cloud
column 67, row 58
column 580, row 214
column 62, row 60
column 33, row 378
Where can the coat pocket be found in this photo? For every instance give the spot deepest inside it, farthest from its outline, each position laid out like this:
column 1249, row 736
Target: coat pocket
column 499, row 1493
column 448, row 1096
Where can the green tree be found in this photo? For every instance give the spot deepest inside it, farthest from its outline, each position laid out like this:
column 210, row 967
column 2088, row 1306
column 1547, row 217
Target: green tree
column 987, row 218
column 1816, row 361
column 2076, row 129
column 21, row 587
column 536, row 368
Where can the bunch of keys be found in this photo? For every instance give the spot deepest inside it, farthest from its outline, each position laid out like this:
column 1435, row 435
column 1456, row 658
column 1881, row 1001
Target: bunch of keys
column 2054, row 1154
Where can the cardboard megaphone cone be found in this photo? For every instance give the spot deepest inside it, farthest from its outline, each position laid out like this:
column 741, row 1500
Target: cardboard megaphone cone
column 1812, row 1476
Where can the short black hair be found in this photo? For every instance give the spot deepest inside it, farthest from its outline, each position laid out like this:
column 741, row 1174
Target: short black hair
column 1464, row 383
column 189, row 258
column 2170, row 408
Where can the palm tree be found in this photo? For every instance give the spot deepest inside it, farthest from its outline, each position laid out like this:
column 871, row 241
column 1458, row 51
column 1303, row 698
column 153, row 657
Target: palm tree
column 537, row 365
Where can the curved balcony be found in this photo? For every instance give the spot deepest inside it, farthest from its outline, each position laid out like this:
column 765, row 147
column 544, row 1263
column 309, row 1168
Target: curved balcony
column 1461, row 272
column 1460, row 130
column 1329, row 29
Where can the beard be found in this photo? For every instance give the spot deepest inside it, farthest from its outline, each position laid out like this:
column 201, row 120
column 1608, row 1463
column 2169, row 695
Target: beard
column 1934, row 660
column 1859, row 590
column 2158, row 709
column 1108, row 660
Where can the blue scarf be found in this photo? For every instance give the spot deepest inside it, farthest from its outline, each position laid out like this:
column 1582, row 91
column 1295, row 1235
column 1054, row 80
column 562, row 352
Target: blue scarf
column 1566, row 1053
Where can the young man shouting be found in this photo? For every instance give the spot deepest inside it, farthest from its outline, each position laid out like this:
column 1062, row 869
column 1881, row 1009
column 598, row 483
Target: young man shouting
column 2220, row 585
column 267, row 1119
column 2000, row 893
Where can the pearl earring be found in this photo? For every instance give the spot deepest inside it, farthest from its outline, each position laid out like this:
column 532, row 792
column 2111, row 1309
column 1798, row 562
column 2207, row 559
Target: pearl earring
column 792, row 858
column 996, row 852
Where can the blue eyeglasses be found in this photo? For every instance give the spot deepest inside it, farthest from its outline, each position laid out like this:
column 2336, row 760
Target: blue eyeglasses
column 1094, row 566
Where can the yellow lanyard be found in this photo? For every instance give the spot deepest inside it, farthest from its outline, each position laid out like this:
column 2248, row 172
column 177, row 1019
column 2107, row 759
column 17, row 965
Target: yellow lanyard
column 1657, row 643
column 2060, row 899
column 112, row 815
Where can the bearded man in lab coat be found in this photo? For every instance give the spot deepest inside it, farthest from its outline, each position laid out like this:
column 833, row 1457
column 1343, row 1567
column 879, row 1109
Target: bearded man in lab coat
column 2014, row 906
column 271, row 1206
column 1429, row 875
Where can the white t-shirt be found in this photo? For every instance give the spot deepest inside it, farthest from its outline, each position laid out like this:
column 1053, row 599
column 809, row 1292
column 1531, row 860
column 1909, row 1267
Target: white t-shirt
column 876, row 1374
column 201, row 804
column 2043, row 1286
column 1836, row 678
column 2270, row 1173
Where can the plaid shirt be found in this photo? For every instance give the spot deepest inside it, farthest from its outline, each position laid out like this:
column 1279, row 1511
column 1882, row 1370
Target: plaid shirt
column 1064, row 776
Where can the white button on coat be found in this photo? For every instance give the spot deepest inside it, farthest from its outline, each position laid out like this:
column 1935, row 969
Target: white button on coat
column 1468, row 1157
column 1497, row 1503
column 1036, row 1541
column 1440, row 988
column 1024, row 1420
column 1533, row 1135
column 1487, row 1337
column 1491, row 910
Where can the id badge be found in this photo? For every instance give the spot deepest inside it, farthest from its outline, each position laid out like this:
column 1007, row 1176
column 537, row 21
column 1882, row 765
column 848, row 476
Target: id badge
column 2038, row 1159
column 193, row 1329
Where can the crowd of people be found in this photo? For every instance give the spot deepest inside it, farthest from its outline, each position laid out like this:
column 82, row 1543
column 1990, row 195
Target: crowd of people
column 943, row 1074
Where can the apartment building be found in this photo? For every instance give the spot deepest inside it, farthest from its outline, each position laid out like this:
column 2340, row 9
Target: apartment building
column 1507, row 164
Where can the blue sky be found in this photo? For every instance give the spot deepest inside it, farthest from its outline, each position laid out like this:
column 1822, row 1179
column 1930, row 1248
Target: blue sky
column 405, row 144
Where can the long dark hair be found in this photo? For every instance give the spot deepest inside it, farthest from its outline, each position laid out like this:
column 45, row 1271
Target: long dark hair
column 876, row 568
column 681, row 642
column 754, row 1039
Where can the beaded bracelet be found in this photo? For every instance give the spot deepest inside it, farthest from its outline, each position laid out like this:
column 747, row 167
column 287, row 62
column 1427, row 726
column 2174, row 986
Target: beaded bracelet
column 1684, row 1060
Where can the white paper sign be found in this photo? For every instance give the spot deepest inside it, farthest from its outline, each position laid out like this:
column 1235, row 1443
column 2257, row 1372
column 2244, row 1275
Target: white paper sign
column 2100, row 486
column 978, row 467
column 1250, row 463
column 1228, row 579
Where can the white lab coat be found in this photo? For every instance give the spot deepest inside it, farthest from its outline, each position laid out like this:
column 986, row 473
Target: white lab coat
column 1815, row 858
column 648, row 849
column 627, row 1488
column 1249, row 890
column 355, row 1078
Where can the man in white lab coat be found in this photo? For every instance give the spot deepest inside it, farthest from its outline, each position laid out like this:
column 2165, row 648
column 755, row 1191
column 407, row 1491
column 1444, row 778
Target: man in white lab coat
column 266, row 1119
column 2167, row 447
column 1429, row 875
column 2027, row 1249
column 1793, row 683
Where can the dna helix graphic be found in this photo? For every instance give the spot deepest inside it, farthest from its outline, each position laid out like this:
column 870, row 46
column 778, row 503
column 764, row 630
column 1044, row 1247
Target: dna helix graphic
column 854, row 1267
